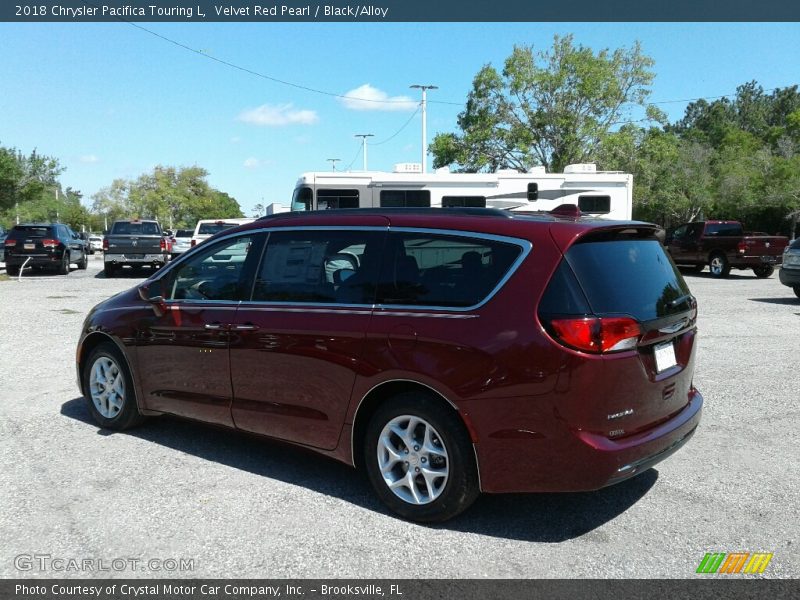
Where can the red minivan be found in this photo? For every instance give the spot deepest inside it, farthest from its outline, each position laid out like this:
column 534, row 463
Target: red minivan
column 444, row 351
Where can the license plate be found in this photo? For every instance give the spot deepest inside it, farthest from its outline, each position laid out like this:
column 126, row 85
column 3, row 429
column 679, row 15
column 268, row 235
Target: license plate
column 665, row 356
column 134, row 256
column 769, row 259
column 29, row 246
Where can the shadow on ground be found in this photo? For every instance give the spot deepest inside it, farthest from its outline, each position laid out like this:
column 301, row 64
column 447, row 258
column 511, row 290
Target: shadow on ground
column 529, row 517
column 787, row 300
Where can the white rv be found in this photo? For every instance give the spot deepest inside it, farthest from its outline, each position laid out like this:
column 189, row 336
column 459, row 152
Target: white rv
column 606, row 194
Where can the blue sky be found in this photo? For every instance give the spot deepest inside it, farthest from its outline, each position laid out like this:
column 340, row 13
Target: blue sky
column 111, row 100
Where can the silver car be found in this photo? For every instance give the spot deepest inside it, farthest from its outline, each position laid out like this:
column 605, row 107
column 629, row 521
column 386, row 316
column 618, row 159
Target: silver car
column 181, row 241
column 790, row 269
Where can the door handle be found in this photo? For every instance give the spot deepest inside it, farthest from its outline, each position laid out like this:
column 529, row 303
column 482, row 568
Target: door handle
column 214, row 326
column 244, row 327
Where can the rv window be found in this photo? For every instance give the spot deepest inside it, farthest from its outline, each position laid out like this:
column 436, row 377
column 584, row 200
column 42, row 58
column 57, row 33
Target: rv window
column 405, row 198
column 301, row 199
column 336, row 199
column 594, row 204
column 533, row 192
column 467, row 201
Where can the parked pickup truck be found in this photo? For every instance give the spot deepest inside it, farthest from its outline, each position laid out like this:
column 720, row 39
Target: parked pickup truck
column 724, row 245
column 136, row 243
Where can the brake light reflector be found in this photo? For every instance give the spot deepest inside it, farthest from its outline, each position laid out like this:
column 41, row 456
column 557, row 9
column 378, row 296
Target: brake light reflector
column 742, row 246
column 48, row 243
column 598, row 335
column 10, row 243
column 105, row 244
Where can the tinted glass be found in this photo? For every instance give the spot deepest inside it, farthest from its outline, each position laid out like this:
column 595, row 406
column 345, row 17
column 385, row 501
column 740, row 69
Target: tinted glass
column 405, row 198
column 31, row 231
column 630, row 277
column 723, row 229
column 301, row 199
column 217, row 273
column 128, row 228
column 337, row 267
column 533, row 192
column 564, row 295
column 440, row 270
column 184, row 233
column 594, row 204
column 327, row 198
column 468, row 201
column 212, row 228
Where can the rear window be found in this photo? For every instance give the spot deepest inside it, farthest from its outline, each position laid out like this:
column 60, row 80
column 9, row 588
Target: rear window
column 32, row 231
column 627, row 277
column 212, row 228
column 184, row 233
column 723, row 229
column 128, row 228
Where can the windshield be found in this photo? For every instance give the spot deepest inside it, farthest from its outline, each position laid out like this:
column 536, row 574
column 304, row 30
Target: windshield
column 302, row 198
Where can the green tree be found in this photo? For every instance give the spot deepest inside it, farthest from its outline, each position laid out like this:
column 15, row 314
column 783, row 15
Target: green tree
column 549, row 108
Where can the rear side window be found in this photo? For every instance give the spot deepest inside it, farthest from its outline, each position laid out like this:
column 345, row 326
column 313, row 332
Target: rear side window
column 127, row 228
column 405, row 199
column 628, row 277
column 339, row 267
column 442, row 270
column 327, row 198
column 464, row 201
column 723, row 229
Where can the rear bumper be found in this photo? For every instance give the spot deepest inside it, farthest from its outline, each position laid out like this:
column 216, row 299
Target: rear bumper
column 748, row 262
column 790, row 277
column 36, row 260
column 145, row 259
column 562, row 460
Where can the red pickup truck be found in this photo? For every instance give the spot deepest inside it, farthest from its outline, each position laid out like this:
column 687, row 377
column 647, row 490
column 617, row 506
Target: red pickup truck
column 724, row 245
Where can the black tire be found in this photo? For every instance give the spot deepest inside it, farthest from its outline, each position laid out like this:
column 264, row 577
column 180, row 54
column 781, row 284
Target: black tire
column 460, row 488
column 120, row 417
column 84, row 264
column 763, row 271
column 796, row 290
column 12, row 271
column 63, row 268
column 719, row 266
column 109, row 271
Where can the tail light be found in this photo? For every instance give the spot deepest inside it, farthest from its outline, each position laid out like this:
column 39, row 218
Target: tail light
column 48, row 243
column 10, row 243
column 742, row 246
column 163, row 245
column 105, row 244
column 194, row 242
column 597, row 334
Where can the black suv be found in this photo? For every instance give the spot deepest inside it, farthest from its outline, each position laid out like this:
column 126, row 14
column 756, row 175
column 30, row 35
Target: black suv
column 43, row 246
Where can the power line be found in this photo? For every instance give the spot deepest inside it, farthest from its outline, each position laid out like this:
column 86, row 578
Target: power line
column 396, row 133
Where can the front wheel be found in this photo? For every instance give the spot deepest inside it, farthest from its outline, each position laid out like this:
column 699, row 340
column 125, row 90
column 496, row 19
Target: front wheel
column 108, row 389
column 420, row 460
column 719, row 265
column 763, row 271
column 796, row 290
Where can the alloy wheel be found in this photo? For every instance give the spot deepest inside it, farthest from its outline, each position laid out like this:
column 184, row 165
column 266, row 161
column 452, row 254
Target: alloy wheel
column 107, row 387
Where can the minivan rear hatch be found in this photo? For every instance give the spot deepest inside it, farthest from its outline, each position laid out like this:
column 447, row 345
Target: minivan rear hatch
column 628, row 320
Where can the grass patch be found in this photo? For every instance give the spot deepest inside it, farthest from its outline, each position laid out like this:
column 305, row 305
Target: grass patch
column 4, row 277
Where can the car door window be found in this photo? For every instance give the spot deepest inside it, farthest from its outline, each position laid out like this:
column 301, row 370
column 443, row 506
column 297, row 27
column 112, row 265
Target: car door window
column 315, row 266
column 222, row 272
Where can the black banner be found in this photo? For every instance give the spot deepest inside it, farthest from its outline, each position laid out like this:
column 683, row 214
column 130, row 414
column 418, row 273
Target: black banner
column 400, row 10
column 733, row 588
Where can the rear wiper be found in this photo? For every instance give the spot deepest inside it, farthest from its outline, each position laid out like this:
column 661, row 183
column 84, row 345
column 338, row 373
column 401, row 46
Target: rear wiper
column 680, row 300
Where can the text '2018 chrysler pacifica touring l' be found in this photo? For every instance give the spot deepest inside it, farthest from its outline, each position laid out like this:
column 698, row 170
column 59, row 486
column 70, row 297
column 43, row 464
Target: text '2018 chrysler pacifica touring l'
column 445, row 352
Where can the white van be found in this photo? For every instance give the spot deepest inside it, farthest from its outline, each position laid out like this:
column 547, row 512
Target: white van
column 205, row 228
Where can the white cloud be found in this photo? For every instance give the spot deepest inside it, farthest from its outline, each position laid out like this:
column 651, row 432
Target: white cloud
column 89, row 159
column 367, row 97
column 278, row 115
column 252, row 163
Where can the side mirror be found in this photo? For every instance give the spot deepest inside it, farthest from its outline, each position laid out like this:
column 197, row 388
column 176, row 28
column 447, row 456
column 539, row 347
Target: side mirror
column 150, row 291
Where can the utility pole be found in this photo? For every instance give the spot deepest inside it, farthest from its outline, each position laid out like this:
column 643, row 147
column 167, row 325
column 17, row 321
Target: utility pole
column 333, row 162
column 423, row 104
column 364, row 137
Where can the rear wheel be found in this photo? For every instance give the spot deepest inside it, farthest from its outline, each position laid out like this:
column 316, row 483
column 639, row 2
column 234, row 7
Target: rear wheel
column 12, row 271
column 63, row 268
column 763, row 271
column 108, row 389
column 796, row 290
column 719, row 265
column 84, row 263
column 419, row 459
column 109, row 270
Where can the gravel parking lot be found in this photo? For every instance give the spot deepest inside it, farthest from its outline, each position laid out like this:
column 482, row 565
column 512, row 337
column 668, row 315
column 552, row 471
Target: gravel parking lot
column 244, row 507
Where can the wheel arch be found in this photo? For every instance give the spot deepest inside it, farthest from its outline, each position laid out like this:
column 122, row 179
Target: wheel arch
column 383, row 392
column 92, row 341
